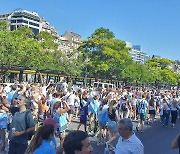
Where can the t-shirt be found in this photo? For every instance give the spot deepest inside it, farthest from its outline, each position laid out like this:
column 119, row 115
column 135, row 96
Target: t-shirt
column 3, row 119
column 142, row 106
column 45, row 148
column 19, row 123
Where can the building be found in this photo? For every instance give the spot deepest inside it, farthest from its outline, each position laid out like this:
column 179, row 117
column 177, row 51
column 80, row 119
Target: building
column 156, row 56
column 20, row 17
column 30, row 19
column 74, row 39
column 136, row 53
column 137, row 47
column 45, row 27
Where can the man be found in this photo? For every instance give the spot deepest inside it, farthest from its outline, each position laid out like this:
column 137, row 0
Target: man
column 128, row 143
column 71, row 98
column 64, row 86
column 77, row 142
column 142, row 109
column 22, row 124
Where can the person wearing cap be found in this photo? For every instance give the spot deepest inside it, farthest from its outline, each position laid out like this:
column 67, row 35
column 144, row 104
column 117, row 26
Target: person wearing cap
column 41, row 142
column 51, row 121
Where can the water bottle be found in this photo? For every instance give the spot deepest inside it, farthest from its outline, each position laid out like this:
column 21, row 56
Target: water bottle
column 13, row 131
column 106, row 151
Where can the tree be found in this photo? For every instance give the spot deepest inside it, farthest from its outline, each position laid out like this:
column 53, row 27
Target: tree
column 107, row 55
column 169, row 77
column 4, row 25
column 161, row 63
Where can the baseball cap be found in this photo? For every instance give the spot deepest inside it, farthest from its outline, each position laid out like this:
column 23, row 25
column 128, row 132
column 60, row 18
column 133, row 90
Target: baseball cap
column 50, row 121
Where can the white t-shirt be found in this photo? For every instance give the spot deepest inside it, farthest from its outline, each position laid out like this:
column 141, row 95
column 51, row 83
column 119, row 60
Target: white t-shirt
column 71, row 99
column 64, row 86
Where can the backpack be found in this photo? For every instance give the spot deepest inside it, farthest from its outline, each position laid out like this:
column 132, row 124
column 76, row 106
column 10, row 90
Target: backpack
column 124, row 107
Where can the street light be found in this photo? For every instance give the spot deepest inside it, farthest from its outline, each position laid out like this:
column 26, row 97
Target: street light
column 86, row 61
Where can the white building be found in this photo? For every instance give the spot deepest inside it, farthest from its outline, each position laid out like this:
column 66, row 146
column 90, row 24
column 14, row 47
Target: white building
column 136, row 53
column 30, row 19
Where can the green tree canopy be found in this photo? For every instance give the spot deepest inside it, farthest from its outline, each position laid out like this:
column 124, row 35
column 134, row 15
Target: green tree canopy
column 107, row 56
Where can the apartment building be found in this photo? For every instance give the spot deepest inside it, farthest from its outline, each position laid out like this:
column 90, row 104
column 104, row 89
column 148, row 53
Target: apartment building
column 30, row 19
column 136, row 53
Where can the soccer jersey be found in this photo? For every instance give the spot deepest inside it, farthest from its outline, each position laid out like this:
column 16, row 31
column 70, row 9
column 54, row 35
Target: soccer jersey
column 142, row 106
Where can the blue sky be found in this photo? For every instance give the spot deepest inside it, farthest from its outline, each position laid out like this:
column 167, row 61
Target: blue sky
column 153, row 24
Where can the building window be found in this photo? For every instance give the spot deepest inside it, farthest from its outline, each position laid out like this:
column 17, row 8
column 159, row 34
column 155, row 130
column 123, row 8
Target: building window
column 13, row 27
column 34, row 24
column 35, row 31
column 13, row 21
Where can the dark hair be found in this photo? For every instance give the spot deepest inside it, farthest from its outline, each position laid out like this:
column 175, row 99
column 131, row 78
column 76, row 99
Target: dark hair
column 43, row 133
column 73, row 141
column 151, row 102
column 128, row 125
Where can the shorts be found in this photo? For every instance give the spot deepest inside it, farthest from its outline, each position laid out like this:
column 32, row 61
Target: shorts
column 63, row 128
column 134, row 107
column 112, row 125
column 71, row 111
column 152, row 112
column 142, row 116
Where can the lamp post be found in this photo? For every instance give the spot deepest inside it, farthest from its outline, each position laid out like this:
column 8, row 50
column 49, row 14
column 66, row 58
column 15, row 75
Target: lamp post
column 85, row 82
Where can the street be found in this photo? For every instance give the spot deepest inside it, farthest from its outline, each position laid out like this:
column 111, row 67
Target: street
column 156, row 139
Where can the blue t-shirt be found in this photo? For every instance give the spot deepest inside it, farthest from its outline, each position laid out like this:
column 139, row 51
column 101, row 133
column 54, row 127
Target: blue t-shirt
column 3, row 119
column 142, row 106
column 45, row 148
column 20, row 124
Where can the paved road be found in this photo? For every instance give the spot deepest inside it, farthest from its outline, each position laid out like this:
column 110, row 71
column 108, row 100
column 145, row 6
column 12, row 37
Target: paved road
column 156, row 139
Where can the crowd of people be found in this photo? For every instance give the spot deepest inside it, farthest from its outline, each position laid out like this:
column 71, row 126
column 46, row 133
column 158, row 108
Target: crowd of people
column 33, row 116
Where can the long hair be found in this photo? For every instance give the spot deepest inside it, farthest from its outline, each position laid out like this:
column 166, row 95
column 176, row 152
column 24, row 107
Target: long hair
column 111, row 105
column 151, row 102
column 42, row 133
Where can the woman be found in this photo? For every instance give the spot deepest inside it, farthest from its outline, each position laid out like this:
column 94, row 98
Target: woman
column 60, row 116
column 152, row 108
column 77, row 105
column 174, row 109
column 125, row 107
column 133, row 104
column 41, row 141
column 166, row 112
column 102, row 119
column 112, row 122
column 43, row 109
